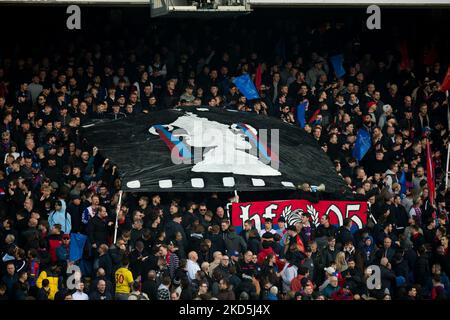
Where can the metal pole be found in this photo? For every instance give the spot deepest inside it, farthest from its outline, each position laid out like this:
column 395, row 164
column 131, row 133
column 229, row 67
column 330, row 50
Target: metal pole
column 119, row 204
column 448, row 149
column 446, row 171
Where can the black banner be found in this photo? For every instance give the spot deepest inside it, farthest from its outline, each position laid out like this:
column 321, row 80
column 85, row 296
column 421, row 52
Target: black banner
column 202, row 149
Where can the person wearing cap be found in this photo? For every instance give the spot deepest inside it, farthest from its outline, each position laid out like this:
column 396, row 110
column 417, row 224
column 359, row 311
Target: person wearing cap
column 60, row 216
column 344, row 293
column 293, row 238
column 234, row 256
column 63, row 251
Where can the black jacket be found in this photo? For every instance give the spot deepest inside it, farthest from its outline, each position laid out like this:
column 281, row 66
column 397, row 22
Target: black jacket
column 150, row 287
column 344, row 235
column 233, row 242
column 422, row 271
column 76, row 213
column 387, row 278
column 96, row 295
column 105, row 262
column 98, row 230
column 172, row 228
column 217, row 243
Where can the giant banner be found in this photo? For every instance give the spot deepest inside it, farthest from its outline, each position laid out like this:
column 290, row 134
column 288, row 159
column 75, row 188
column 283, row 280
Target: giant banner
column 292, row 210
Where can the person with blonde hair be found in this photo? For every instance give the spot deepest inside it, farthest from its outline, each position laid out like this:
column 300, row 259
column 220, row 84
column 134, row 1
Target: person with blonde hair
column 341, row 263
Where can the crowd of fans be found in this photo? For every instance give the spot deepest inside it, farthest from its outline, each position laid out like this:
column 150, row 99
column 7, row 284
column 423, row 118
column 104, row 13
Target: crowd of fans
column 53, row 185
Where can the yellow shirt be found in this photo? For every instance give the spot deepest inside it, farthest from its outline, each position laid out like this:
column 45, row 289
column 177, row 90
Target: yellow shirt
column 124, row 278
column 53, row 283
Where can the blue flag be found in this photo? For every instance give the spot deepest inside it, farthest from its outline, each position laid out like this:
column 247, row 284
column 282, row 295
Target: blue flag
column 77, row 242
column 362, row 144
column 337, row 62
column 246, row 87
column 402, row 181
column 301, row 108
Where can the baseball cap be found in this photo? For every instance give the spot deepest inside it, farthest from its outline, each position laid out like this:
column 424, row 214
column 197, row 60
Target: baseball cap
column 371, row 103
column 330, row 270
column 386, row 107
column 36, row 165
column 234, row 254
column 75, row 196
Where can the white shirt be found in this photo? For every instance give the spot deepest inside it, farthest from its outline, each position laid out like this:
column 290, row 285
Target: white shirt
column 290, row 272
column 80, row 296
column 272, row 231
column 192, row 268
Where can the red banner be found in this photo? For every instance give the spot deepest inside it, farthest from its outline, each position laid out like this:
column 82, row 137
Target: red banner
column 291, row 210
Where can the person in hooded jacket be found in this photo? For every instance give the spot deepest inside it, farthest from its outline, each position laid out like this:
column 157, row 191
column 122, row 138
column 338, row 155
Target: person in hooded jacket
column 368, row 251
column 60, row 216
column 233, row 242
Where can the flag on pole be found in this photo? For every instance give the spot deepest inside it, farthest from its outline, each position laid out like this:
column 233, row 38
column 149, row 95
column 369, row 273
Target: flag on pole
column 301, row 109
column 362, row 144
column 445, row 85
column 246, row 87
column 430, row 174
column 258, row 78
column 338, row 65
column 77, row 242
column 314, row 116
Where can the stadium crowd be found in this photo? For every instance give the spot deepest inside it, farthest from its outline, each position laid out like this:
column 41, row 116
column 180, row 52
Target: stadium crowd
column 54, row 187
